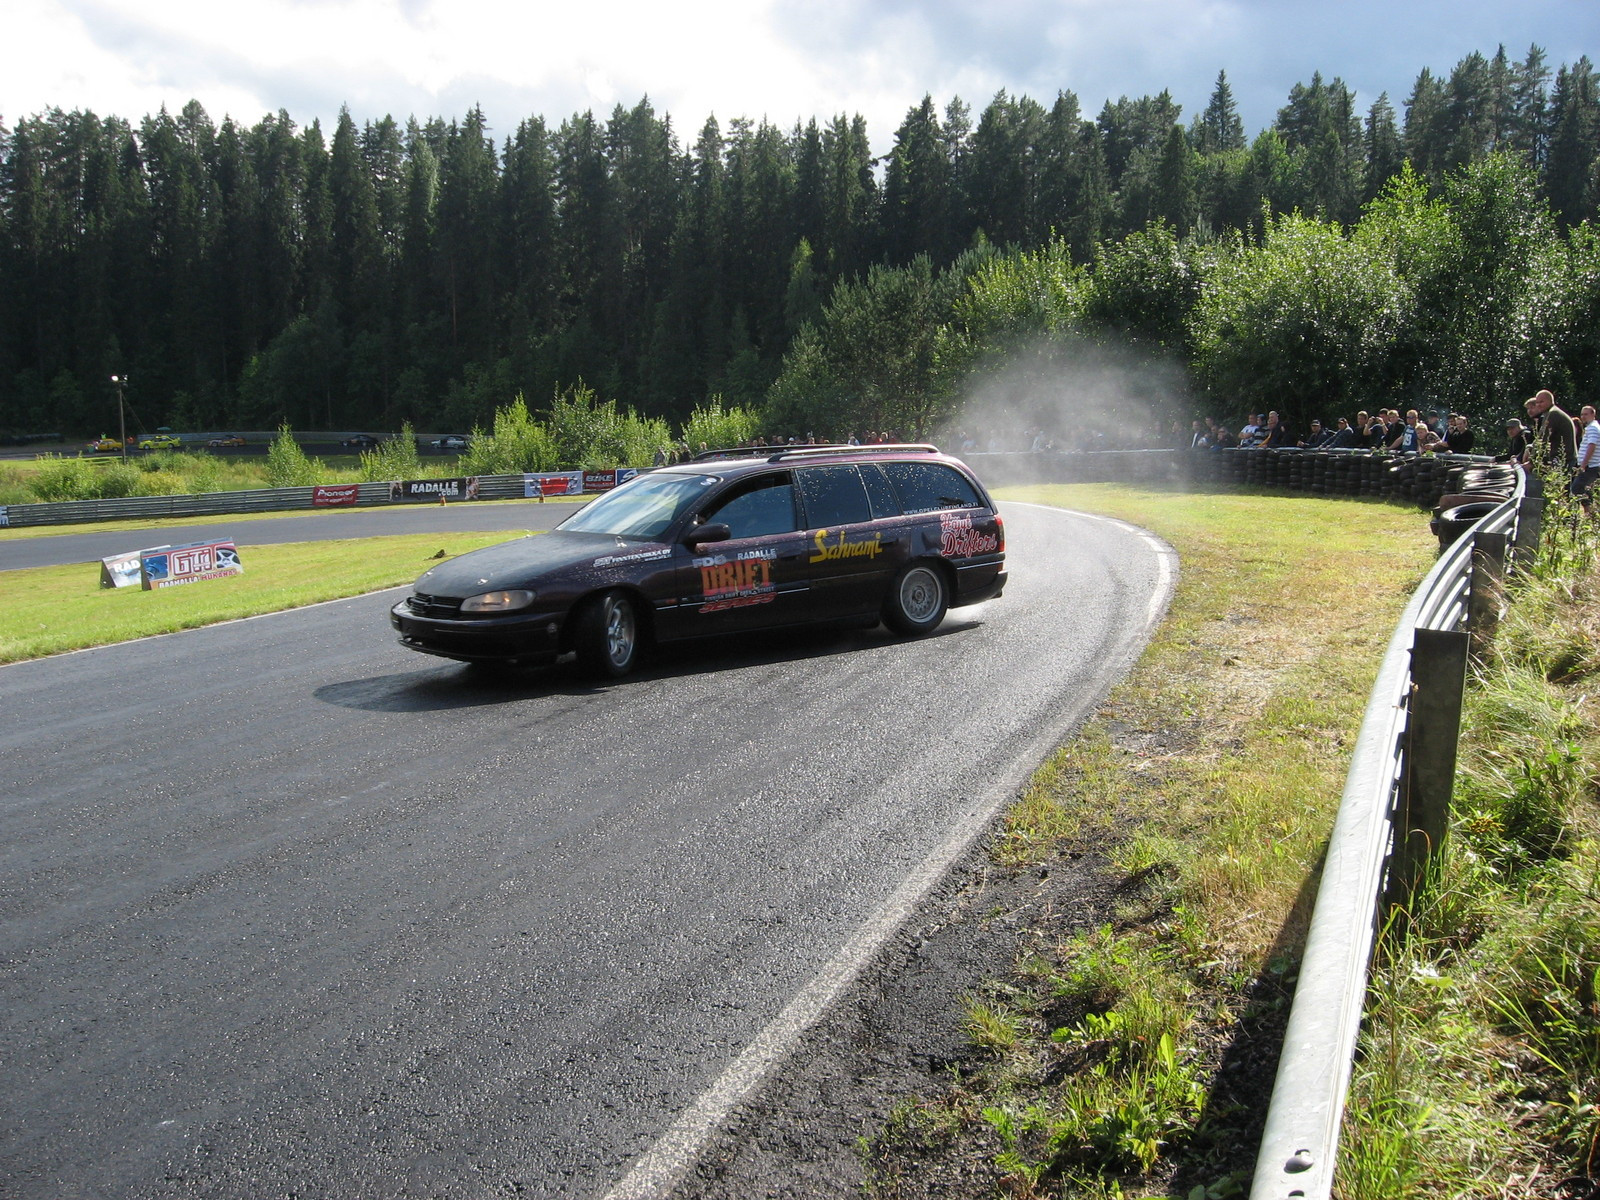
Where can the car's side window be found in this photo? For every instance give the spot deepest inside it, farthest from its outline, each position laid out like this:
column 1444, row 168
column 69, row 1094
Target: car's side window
column 880, row 491
column 927, row 487
column 757, row 507
column 833, row 496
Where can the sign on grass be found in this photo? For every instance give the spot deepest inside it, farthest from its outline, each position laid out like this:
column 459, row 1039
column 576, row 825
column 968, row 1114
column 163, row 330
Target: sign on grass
column 169, row 566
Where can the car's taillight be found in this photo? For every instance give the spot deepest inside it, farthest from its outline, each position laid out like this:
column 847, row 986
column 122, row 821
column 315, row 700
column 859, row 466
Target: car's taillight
column 1000, row 528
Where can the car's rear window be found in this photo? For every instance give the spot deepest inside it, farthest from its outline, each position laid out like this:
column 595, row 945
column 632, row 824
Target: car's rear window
column 833, row 496
column 927, row 487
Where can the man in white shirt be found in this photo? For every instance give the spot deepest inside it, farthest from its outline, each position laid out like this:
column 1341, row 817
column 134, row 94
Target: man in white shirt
column 1588, row 456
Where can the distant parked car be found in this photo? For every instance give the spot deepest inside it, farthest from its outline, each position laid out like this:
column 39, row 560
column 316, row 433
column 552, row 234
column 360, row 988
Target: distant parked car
column 105, row 445
column 360, row 441
column 227, row 439
column 450, row 441
column 159, row 441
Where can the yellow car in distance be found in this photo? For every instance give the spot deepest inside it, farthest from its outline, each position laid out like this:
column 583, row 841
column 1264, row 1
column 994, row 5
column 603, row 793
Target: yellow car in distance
column 159, row 441
column 105, row 445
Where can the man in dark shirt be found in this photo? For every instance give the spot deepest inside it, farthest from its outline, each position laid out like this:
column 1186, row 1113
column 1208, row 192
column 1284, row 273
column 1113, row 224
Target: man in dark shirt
column 1555, row 437
column 1459, row 437
column 1516, row 443
column 1317, row 438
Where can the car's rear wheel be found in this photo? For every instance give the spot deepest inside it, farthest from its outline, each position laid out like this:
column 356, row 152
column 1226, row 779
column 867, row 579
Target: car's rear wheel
column 918, row 599
column 606, row 635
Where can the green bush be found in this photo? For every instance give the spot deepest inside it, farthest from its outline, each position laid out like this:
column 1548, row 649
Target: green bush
column 287, row 464
column 518, row 443
column 394, row 459
column 718, row 427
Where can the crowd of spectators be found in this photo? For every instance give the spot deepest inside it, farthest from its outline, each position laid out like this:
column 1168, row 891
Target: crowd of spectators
column 1549, row 439
column 1385, row 429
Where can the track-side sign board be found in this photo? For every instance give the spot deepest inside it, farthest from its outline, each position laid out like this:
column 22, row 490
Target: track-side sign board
column 434, row 489
column 170, row 566
column 574, row 483
column 122, row 570
column 335, row 495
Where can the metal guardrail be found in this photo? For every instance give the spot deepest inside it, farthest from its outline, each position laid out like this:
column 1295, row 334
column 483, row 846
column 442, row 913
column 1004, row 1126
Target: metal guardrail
column 216, row 504
column 1301, row 1139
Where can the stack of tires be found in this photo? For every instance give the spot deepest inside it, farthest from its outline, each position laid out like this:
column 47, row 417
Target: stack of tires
column 1476, row 492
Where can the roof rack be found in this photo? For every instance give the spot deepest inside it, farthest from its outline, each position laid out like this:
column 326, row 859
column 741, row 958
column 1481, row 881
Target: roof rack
column 811, row 451
column 779, row 453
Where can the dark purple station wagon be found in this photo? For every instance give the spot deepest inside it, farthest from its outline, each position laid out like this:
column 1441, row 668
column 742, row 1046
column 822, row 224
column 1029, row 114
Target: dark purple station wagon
column 721, row 545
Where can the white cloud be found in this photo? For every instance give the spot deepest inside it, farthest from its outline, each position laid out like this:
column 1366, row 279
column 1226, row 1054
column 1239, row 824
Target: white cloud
column 784, row 60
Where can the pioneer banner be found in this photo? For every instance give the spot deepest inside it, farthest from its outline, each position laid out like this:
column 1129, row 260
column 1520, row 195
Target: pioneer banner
column 334, row 495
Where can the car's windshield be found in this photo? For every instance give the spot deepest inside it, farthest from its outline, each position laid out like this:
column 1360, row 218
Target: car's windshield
column 641, row 508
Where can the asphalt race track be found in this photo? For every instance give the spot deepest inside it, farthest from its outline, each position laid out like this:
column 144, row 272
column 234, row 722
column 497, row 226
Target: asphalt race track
column 288, row 910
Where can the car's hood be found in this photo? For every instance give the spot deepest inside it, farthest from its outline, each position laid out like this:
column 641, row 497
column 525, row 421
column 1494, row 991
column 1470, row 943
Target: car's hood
column 523, row 562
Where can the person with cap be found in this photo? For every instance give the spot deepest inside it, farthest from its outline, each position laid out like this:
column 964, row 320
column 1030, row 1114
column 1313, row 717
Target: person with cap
column 1317, row 438
column 1516, row 443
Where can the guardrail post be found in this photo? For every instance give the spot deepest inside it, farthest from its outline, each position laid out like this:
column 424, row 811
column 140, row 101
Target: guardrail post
column 1530, row 520
column 1487, row 588
column 1428, row 774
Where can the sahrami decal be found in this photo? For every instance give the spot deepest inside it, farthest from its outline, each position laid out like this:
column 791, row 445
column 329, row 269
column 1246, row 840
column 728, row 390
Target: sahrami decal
column 865, row 548
column 958, row 539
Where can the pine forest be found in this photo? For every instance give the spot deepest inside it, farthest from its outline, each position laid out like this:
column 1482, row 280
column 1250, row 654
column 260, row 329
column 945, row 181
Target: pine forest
column 1437, row 248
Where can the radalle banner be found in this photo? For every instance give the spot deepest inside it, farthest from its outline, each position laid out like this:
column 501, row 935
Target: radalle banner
column 434, row 489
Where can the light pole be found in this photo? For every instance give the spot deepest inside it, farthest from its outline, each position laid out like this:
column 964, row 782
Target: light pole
column 119, row 382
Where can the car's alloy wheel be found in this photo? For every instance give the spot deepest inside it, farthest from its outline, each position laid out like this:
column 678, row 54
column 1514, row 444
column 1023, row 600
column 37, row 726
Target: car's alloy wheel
column 608, row 634
column 917, row 600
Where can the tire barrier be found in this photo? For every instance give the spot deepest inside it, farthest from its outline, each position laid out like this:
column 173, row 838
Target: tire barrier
column 1419, row 479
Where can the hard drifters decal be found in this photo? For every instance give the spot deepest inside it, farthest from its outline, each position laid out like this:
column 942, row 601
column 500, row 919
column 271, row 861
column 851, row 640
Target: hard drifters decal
column 958, row 539
column 739, row 583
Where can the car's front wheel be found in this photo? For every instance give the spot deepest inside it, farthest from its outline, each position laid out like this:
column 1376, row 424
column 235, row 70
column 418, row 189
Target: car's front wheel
column 606, row 636
column 917, row 599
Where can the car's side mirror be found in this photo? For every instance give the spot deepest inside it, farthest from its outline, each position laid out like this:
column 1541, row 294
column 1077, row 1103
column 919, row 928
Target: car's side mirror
column 716, row 531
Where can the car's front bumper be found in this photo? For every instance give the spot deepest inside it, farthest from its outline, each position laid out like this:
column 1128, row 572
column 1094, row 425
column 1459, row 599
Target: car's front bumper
column 518, row 637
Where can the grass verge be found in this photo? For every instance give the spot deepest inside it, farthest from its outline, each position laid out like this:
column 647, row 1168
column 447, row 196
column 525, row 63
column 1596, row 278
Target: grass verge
column 1479, row 1065
column 48, row 610
column 1129, row 1059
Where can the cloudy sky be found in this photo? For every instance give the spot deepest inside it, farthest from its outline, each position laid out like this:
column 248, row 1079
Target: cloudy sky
column 784, row 60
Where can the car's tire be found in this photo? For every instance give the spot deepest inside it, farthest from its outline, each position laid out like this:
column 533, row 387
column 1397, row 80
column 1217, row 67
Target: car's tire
column 917, row 600
column 606, row 635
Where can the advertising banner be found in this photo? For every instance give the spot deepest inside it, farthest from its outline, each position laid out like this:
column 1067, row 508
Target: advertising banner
column 169, row 566
column 335, row 495
column 604, row 481
column 122, row 570
column 553, row 483
column 5, row 519
column 434, row 489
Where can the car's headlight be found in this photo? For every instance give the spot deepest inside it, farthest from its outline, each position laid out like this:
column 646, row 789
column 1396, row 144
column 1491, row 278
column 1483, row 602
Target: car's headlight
column 497, row 602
